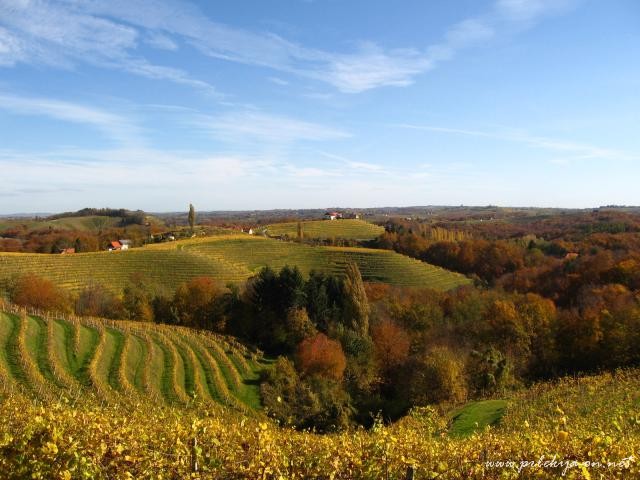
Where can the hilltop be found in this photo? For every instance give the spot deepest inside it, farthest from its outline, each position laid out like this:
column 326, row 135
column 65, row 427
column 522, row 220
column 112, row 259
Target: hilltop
column 323, row 229
column 227, row 258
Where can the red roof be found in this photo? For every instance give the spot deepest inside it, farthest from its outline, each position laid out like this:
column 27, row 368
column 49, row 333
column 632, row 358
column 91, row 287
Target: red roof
column 116, row 244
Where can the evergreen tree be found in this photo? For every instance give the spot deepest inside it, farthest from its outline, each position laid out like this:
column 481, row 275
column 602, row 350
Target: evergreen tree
column 192, row 216
column 356, row 304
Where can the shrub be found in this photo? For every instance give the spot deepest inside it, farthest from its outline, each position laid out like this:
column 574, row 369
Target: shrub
column 33, row 291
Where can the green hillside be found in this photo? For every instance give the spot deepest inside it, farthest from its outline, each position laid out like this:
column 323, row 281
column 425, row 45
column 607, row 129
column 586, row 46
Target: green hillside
column 476, row 416
column 346, row 228
column 253, row 253
column 89, row 223
column 229, row 258
column 126, row 360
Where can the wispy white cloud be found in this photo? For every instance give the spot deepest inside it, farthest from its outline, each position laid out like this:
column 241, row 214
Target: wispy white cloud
column 63, row 34
column 109, row 33
column 265, row 127
column 160, row 41
column 279, row 81
column 115, row 126
column 155, row 180
column 571, row 151
column 526, row 11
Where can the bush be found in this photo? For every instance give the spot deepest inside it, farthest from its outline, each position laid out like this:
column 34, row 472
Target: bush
column 96, row 301
column 33, row 291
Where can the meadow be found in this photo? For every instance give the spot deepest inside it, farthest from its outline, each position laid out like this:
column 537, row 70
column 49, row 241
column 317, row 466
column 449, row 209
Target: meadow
column 228, row 258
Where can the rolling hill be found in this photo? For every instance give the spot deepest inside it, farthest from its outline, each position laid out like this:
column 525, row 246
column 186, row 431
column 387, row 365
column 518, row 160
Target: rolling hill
column 228, row 258
column 343, row 228
column 46, row 357
column 88, row 223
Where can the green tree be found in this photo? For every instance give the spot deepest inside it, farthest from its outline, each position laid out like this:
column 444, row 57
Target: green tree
column 356, row 304
column 192, row 216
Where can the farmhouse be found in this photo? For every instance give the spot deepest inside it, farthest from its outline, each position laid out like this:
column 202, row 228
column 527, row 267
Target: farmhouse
column 67, row 251
column 115, row 245
column 332, row 215
column 124, row 244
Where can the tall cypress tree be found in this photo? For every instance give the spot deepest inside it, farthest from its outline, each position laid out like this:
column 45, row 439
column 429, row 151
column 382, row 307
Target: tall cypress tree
column 192, row 216
column 356, row 305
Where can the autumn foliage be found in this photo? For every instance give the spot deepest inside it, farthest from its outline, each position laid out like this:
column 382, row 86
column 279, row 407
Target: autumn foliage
column 34, row 291
column 391, row 343
column 319, row 355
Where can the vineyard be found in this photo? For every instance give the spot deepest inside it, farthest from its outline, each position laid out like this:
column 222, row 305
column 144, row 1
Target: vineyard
column 125, row 362
column 344, row 228
column 572, row 428
column 228, row 258
column 386, row 266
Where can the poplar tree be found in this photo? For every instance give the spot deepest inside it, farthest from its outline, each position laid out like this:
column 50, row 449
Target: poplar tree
column 192, row 216
column 356, row 304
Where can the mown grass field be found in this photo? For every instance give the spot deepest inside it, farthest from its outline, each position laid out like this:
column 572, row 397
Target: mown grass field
column 343, row 228
column 126, row 361
column 228, row 258
column 570, row 422
column 476, row 416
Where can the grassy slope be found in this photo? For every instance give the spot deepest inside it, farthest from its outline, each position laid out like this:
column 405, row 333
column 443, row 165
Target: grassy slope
column 89, row 223
column 229, row 258
column 376, row 265
column 6, row 329
column 178, row 366
column 348, row 229
column 476, row 416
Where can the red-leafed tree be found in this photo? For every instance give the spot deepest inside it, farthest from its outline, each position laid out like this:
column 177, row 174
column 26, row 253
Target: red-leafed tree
column 319, row 355
column 391, row 343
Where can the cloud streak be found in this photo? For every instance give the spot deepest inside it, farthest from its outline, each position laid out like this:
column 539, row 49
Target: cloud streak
column 265, row 127
column 574, row 151
column 64, row 34
column 112, row 125
column 108, row 34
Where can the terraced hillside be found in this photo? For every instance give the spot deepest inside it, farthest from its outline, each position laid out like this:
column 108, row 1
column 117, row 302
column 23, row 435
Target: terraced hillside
column 168, row 268
column 347, row 228
column 126, row 361
column 229, row 258
column 253, row 253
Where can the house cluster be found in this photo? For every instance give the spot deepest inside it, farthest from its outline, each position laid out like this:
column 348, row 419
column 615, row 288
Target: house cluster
column 117, row 245
column 339, row 215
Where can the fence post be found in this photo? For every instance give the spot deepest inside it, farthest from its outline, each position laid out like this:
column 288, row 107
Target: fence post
column 194, row 454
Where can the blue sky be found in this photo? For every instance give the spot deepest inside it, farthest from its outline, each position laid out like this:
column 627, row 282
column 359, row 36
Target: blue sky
column 293, row 103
